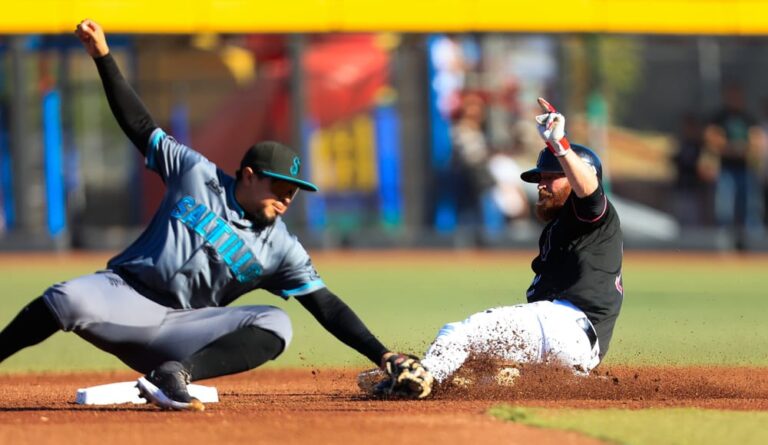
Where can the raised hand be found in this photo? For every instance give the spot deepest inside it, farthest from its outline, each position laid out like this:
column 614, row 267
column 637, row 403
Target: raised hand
column 551, row 126
column 92, row 37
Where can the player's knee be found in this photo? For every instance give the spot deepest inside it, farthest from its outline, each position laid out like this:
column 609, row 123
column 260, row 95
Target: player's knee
column 68, row 305
column 275, row 320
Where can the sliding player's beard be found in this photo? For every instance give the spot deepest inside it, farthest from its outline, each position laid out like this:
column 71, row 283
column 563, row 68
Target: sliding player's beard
column 549, row 204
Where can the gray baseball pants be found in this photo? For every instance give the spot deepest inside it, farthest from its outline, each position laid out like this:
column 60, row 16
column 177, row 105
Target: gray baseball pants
column 108, row 313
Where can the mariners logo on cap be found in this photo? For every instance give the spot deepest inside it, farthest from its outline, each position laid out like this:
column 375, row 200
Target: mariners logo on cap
column 277, row 161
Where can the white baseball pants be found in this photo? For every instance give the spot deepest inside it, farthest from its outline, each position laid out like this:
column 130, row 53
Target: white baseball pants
column 540, row 332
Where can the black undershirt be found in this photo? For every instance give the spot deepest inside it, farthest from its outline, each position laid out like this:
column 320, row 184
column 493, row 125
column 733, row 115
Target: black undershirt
column 126, row 106
column 338, row 319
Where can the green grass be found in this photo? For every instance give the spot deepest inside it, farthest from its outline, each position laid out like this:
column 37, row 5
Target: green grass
column 404, row 305
column 694, row 313
column 697, row 312
column 678, row 426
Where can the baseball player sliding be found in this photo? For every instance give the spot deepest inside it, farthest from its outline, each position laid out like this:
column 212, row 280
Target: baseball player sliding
column 160, row 305
column 576, row 293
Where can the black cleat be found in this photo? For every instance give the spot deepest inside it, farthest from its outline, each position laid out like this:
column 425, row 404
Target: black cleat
column 166, row 386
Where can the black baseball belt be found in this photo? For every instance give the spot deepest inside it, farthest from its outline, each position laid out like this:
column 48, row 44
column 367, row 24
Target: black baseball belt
column 584, row 324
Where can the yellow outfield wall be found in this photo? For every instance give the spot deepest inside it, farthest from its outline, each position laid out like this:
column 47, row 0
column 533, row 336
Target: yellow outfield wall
column 745, row 17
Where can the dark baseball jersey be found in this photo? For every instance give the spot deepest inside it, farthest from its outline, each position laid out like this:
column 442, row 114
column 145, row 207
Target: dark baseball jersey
column 736, row 125
column 200, row 250
column 580, row 255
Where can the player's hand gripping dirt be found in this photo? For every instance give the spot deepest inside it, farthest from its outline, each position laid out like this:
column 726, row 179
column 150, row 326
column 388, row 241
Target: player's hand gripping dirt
column 551, row 126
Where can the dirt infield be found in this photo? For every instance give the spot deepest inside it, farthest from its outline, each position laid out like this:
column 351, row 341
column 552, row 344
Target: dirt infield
column 325, row 407
column 311, row 406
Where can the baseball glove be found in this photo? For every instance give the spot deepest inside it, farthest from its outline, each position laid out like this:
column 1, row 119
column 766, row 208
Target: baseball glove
column 406, row 378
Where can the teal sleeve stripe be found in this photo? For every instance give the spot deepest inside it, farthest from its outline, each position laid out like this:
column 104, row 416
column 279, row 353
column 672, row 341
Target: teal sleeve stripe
column 156, row 137
column 305, row 289
column 154, row 142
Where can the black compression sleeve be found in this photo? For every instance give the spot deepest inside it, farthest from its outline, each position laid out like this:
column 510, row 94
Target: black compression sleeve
column 338, row 319
column 129, row 111
column 32, row 325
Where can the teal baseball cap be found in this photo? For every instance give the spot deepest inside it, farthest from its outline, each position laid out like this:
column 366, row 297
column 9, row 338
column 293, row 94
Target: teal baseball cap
column 277, row 161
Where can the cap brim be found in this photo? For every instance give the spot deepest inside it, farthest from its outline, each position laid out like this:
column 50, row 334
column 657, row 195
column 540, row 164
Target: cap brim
column 532, row 175
column 304, row 185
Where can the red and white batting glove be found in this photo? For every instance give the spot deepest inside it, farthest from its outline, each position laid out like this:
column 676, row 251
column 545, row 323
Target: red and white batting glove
column 551, row 126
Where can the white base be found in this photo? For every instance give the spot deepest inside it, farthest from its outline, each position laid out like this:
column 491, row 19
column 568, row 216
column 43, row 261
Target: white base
column 127, row 392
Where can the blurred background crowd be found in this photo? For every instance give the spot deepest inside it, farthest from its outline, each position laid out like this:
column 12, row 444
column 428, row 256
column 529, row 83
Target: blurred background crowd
column 416, row 140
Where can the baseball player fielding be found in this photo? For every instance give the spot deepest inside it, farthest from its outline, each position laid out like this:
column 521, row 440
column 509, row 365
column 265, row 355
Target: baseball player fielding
column 161, row 305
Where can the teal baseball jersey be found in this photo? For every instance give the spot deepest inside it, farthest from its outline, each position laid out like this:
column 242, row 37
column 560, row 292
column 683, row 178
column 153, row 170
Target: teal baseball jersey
column 200, row 250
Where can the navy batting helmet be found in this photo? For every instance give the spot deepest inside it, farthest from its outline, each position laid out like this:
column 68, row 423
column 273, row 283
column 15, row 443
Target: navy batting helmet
column 548, row 163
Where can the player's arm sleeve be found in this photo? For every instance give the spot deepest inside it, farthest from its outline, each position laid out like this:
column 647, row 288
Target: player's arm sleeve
column 338, row 319
column 126, row 106
column 591, row 208
column 296, row 275
column 169, row 157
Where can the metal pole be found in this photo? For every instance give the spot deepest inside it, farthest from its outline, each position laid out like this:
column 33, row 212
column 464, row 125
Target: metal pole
column 709, row 73
column 410, row 81
column 25, row 157
column 297, row 44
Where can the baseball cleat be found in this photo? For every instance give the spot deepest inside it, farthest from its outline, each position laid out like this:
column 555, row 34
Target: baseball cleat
column 462, row 382
column 166, row 387
column 506, row 376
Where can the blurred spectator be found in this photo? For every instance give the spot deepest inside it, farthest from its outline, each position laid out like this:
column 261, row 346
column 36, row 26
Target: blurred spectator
column 762, row 163
column 733, row 140
column 507, row 192
column 472, row 179
column 509, row 98
column 450, row 73
column 489, row 191
column 2, row 212
column 689, row 187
